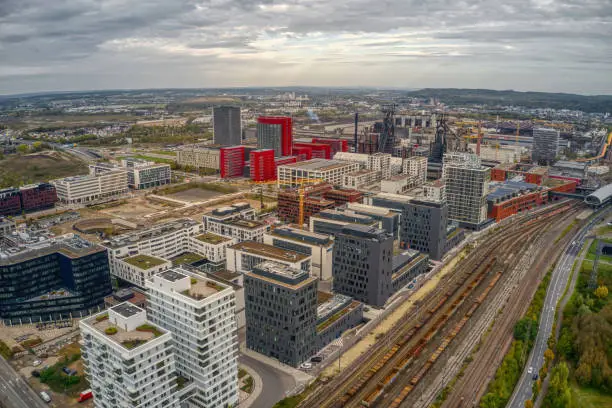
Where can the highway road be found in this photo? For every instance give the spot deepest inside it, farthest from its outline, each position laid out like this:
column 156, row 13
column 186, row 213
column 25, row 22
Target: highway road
column 556, row 287
column 15, row 392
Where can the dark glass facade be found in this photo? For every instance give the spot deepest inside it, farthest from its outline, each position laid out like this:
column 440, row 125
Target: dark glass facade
column 54, row 285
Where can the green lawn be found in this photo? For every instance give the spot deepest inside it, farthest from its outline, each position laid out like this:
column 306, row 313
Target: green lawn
column 143, row 261
column 186, row 258
column 589, row 398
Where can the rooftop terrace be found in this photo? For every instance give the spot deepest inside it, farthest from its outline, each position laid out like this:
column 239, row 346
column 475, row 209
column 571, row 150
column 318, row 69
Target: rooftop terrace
column 143, row 261
column 269, row 251
column 211, row 238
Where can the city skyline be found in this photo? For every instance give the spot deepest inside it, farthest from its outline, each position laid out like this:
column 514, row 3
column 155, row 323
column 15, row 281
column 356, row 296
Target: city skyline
column 539, row 45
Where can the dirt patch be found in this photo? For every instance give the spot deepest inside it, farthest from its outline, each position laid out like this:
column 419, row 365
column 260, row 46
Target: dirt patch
column 195, row 195
column 135, row 209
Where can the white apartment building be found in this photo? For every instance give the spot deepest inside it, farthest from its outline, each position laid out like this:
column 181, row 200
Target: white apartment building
column 138, row 268
column 198, row 158
column 380, row 162
column 128, row 360
column 145, row 174
column 164, row 241
column 416, row 166
column 435, row 191
column 319, row 246
column 243, row 256
column 94, row 188
column 200, row 313
column 330, row 171
column 212, row 246
column 360, row 178
column 359, row 158
column 467, row 186
column 501, row 153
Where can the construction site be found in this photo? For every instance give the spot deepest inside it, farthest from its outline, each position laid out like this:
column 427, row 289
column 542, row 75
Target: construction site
column 419, row 355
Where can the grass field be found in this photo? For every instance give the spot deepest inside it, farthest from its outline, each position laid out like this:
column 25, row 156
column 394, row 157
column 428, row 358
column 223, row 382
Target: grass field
column 19, row 170
column 589, row 398
column 149, row 158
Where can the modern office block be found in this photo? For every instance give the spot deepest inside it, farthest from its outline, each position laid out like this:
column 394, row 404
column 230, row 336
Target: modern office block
column 102, row 184
column 43, row 278
column 362, row 265
column 36, row 197
column 231, row 161
column 146, row 174
column 198, row 157
column 330, row 171
column 423, row 227
column 10, row 201
column 276, row 133
column 545, row 145
column 200, row 313
column 227, row 126
column 318, row 246
column 243, row 256
column 467, row 186
column 281, row 312
column 262, row 165
column 335, row 316
column 128, row 361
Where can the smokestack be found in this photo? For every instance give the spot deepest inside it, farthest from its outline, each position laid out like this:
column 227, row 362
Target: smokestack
column 356, row 122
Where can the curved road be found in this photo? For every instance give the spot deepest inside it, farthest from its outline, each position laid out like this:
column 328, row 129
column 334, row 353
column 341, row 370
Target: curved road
column 556, row 287
column 274, row 382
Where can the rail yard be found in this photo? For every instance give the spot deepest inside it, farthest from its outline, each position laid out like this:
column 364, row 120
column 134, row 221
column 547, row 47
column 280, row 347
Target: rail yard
column 392, row 374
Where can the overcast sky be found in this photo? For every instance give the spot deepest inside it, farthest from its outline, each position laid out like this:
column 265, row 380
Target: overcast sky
column 542, row 45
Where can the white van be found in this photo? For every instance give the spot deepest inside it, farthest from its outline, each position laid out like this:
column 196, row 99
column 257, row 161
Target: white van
column 46, row 397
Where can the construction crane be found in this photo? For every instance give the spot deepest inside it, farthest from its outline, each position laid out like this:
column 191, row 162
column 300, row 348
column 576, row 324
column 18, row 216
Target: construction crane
column 302, row 184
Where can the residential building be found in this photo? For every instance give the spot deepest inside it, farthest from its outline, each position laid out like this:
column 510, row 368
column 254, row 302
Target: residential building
column 138, row 268
column 212, row 246
column 128, row 360
column 499, row 153
column 545, row 145
column 362, row 264
column 262, row 165
column 236, row 221
column 380, row 162
column 227, row 126
column 102, row 184
column 331, row 222
column 165, row 241
column 276, row 133
column 231, row 161
column 398, row 184
column 146, row 174
column 199, row 157
column 360, row 178
column 417, row 167
column 44, row 278
column 201, row 314
column 317, row 150
column 467, row 187
column 359, row 158
column 281, row 312
column 243, row 256
column 330, row 171
column 318, row 246
column 435, row 191
column 10, row 201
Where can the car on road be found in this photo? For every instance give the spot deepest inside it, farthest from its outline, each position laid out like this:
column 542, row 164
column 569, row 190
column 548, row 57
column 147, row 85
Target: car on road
column 530, row 371
column 534, row 377
column 316, row 359
column 306, row 366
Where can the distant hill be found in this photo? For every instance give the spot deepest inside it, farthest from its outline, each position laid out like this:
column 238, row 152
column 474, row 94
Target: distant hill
column 453, row 96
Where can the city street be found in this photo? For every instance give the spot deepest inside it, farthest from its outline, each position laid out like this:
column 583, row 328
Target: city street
column 15, row 391
column 275, row 382
column 558, row 282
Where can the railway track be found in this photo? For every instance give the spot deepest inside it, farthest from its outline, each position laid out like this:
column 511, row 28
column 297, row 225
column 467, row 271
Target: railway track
column 514, row 277
column 368, row 378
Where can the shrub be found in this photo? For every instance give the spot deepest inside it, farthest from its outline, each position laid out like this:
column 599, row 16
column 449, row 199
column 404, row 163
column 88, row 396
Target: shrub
column 110, row 331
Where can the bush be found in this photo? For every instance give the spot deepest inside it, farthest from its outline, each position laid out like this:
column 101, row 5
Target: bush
column 110, row 331
column 5, row 350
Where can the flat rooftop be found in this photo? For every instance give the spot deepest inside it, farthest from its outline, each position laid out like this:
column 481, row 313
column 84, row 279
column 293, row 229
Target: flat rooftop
column 172, row 275
column 319, row 165
column 149, row 233
column 128, row 339
column 126, row 309
column 21, row 246
column 201, row 288
column 144, row 261
column 280, row 274
column 249, row 224
column 269, row 251
column 211, row 238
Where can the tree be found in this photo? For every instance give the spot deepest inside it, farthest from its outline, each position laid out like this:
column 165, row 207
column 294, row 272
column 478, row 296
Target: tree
column 22, row 149
column 601, row 292
column 37, row 146
column 549, row 355
column 528, row 404
column 559, row 394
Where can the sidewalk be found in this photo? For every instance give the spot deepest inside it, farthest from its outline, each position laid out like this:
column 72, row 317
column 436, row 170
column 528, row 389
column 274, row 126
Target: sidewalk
column 299, row 376
column 257, row 387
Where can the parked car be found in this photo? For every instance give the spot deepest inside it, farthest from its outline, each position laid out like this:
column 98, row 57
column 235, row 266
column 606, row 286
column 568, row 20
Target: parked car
column 66, row 370
column 85, row 395
column 36, row 363
column 45, row 397
column 35, row 373
column 306, row 366
column 530, row 371
column 316, row 359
